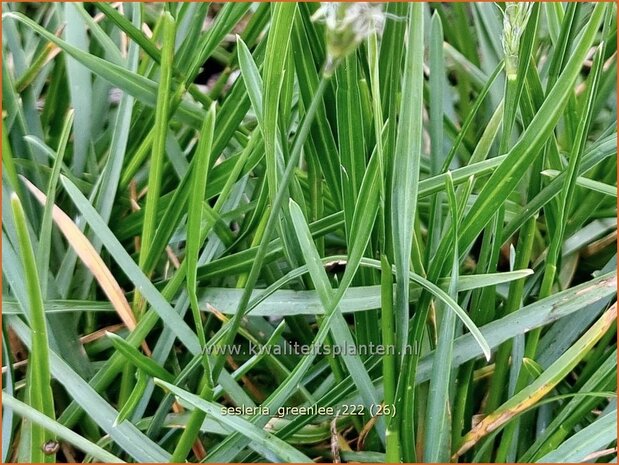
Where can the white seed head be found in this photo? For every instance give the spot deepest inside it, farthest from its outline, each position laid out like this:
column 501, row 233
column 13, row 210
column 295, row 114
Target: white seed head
column 515, row 20
column 347, row 25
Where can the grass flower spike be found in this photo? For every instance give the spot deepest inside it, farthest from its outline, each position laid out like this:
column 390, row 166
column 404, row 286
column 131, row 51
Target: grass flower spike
column 347, row 25
column 515, row 20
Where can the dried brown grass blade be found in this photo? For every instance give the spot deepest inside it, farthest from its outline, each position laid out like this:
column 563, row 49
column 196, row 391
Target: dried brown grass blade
column 89, row 256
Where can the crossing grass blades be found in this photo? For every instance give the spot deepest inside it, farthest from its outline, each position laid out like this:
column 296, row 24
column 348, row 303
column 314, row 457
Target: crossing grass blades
column 356, row 232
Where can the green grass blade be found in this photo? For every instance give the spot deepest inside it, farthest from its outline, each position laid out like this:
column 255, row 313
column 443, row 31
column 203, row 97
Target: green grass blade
column 282, row 19
column 80, row 86
column 406, row 167
column 139, row 360
column 438, row 421
column 45, row 236
column 127, row 436
column 584, row 445
column 587, row 183
column 57, row 429
column 330, row 301
column 194, row 215
column 532, row 140
column 39, row 386
column 269, row 445
column 194, row 236
column 277, row 302
column 147, row 289
column 161, row 129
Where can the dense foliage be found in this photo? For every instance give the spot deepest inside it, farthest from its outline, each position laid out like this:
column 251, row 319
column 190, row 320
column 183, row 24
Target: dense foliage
column 244, row 232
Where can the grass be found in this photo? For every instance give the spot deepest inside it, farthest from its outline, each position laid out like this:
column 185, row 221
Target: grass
column 195, row 195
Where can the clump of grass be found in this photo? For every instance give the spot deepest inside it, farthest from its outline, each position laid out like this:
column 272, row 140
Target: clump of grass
column 295, row 232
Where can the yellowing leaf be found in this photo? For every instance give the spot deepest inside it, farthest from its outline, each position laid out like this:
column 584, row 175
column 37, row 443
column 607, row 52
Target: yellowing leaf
column 89, row 256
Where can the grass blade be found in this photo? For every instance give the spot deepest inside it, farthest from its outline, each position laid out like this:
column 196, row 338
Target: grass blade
column 543, row 384
column 161, row 129
column 272, row 447
column 57, row 429
column 406, row 167
column 438, row 423
column 132, row 355
column 90, row 258
column 39, row 379
column 148, row 290
column 532, row 140
column 127, row 436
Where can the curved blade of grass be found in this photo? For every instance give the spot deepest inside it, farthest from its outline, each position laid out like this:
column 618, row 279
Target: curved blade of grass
column 90, row 258
column 62, row 432
column 585, row 443
column 505, row 177
column 330, row 301
column 127, row 436
column 285, row 302
column 430, row 287
column 131, row 269
column 541, row 386
column 587, row 183
column 270, row 446
column 139, row 360
column 278, row 302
